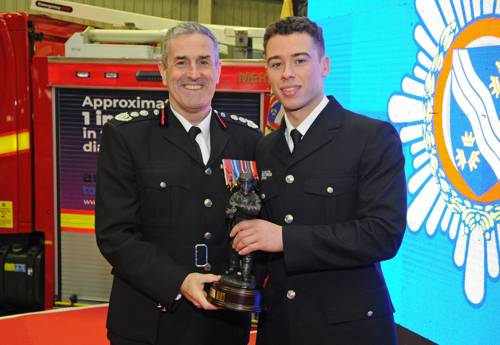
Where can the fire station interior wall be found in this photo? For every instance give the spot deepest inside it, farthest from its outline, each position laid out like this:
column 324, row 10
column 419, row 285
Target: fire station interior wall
column 80, row 115
column 422, row 65
column 245, row 13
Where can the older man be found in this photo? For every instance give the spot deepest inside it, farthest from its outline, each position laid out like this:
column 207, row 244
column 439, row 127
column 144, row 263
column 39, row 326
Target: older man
column 161, row 200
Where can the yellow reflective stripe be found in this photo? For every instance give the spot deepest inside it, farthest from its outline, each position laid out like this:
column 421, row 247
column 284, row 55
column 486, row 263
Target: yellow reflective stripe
column 8, row 144
column 14, row 142
column 79, row 221
column 23, row 141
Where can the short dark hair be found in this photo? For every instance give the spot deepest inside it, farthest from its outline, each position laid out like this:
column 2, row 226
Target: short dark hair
column 290, row 25
column 188, row 28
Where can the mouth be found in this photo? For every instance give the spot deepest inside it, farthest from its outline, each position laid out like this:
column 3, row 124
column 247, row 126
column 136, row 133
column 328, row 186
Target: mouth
column 192, row 87
column 290, row 89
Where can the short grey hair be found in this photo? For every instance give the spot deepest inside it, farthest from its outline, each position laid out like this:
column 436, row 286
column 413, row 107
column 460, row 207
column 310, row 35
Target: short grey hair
column 188, row 28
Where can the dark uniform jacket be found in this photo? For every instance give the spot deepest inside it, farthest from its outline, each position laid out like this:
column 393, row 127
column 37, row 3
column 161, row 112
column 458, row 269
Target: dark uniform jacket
column 341, row 199
column 155, row 202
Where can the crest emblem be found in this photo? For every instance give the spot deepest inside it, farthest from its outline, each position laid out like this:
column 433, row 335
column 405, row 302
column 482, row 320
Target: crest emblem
column 454, row 139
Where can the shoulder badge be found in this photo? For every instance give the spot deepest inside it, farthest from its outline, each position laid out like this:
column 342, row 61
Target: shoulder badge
column 123, row 117
column 235, row 119
column 252, row 124
column 136, row 114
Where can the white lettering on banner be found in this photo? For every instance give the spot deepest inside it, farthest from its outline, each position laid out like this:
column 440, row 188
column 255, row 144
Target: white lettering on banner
column 107, row 103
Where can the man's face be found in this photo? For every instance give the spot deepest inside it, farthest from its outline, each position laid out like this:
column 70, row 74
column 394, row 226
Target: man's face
column 296, row 72
column 191, row 74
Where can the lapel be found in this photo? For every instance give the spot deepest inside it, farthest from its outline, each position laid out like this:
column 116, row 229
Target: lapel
column 218, row 140
column 279, row 146
column 320, row 133
column 177, row 135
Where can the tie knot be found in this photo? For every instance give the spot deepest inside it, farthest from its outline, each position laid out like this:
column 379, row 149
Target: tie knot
column 194, row 131
column 296, row 136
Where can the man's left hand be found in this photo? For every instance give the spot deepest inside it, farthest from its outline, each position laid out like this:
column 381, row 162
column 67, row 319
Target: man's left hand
column 251, row 235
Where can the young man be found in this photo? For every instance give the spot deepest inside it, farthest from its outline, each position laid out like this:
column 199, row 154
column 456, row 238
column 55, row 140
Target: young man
column 161, row 194
column 334, row 205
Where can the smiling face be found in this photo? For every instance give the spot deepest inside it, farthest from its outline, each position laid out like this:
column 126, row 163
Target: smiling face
column 296, row 71
column 191, row 75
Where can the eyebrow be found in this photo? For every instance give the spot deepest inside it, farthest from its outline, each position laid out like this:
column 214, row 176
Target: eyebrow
column 294, row 55
column 201, row 57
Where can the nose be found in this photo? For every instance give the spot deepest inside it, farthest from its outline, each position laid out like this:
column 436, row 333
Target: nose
column 288, row 72
column 193, row 72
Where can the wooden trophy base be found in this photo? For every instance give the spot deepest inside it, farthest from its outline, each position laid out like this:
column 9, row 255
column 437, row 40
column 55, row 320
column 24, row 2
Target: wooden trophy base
column 236, row 299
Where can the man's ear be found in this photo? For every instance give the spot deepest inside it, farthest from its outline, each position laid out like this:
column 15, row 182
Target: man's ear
column 325, row 61
column 163, row 73
column 219, row 70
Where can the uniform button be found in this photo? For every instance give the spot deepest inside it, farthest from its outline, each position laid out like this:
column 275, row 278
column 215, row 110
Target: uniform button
column 207, row 203
column 208, row 171
column 289, row 179
column 288, row 218
column 370, row 313
column 163, row 184
column 159, row 306
column 207, row 235
column 263, row 196
column 290, row 294
column 208, row 267
column 329, row 190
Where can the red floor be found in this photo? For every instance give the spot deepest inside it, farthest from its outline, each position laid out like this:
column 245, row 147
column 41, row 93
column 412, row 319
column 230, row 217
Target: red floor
column 75, row 326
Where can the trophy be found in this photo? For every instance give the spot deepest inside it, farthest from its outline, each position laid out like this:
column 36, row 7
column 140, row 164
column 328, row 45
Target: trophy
column 236, row 290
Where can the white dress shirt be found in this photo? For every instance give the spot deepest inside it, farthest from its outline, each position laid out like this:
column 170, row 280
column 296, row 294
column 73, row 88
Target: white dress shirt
column 304, row 126
column 203, row 140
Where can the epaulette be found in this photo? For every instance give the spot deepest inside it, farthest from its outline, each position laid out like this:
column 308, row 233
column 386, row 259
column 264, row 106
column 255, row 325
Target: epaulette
column 130, row 116
column 235, row 119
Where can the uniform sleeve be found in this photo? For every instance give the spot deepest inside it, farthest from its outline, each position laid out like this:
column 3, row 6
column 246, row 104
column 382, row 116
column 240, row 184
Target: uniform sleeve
column 376, row 231
column 118, row 227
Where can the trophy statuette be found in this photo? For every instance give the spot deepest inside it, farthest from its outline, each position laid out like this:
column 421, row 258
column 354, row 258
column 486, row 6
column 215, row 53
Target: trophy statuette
column 237, row 290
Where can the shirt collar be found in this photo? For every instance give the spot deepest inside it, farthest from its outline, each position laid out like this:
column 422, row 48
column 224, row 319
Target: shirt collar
column 308, row 121
column 203, row 125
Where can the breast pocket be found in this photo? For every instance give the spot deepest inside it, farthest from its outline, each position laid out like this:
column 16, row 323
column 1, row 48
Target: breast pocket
column 332, row 195
column 268, row 193
column 164, row 194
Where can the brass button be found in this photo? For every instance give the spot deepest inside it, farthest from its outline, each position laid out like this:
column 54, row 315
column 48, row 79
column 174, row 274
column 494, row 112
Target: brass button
column 370, row 313
column 207, row 203
column 163, row 184
column 290, row 294
column 208, row 171
column 208, row 267
column 288, row 218
column 329, row 190
column 207, row 235
column 289, row 179
column 263, row 196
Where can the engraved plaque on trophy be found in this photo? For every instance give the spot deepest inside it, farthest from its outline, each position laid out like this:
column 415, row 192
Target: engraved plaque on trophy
column 237, row 290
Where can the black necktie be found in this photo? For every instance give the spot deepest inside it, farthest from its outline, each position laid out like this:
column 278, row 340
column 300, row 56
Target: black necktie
column 193, row 133
column 296, row 136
